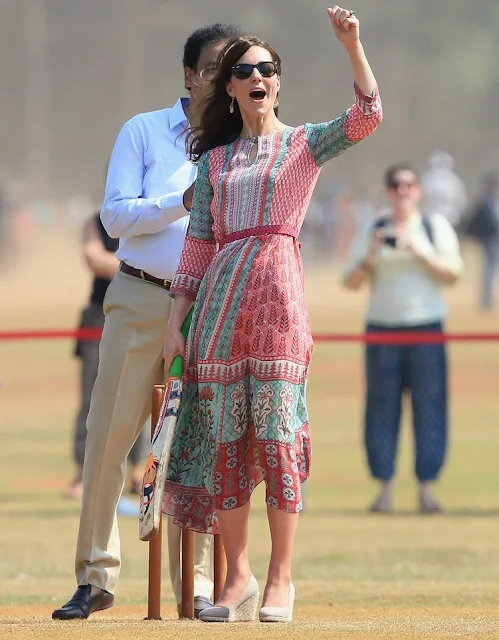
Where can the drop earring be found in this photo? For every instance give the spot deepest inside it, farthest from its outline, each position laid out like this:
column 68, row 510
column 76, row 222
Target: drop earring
column 231, row 106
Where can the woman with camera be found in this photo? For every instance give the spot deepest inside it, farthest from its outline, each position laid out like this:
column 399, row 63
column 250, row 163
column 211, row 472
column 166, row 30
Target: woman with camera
column 406, row 260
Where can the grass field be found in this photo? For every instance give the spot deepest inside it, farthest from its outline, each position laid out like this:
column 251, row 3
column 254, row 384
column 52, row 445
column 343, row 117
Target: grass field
column 357, row 575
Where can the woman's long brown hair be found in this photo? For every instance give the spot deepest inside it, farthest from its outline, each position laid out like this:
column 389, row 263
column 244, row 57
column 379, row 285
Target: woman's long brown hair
column 217, row 126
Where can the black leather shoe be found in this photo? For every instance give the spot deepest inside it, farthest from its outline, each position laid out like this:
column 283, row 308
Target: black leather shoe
column 82, row 604
column 200, row 603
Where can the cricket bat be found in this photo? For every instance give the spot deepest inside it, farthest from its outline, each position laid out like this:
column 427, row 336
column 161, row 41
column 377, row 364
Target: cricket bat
column 153, row 484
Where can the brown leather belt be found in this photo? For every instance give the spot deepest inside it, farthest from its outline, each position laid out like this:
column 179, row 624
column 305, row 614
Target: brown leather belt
column 138, row 273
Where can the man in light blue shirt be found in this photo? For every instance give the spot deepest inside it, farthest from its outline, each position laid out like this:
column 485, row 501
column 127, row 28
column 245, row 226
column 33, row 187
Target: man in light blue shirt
column 149, row 190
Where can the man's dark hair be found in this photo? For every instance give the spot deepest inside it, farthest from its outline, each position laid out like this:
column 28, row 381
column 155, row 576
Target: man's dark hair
column 203, row 36
column 392, row 171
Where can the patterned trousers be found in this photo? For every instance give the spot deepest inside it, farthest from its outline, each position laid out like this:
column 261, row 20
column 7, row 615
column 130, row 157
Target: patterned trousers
column 420, row 370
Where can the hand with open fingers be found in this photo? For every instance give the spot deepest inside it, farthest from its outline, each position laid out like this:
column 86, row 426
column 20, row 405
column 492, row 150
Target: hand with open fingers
column 174, row 346
column 345, row 25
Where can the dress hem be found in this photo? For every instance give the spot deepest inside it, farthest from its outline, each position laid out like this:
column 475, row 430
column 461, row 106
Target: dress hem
column 194, row 508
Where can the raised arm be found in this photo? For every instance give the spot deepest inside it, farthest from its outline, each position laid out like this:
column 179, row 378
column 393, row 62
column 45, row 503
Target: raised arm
column 346, row 29
column 124, row 212
column 329, row 139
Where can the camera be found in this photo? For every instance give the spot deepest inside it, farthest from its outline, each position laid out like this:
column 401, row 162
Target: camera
column 390, row 241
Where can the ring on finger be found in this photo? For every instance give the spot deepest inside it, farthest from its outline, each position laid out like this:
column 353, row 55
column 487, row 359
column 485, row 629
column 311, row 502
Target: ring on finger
column 346, row 13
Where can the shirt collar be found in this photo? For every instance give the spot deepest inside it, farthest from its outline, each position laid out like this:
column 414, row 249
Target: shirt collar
column 177, row 114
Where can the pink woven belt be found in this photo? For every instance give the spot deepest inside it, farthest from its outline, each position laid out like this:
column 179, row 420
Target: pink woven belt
column 258, row 232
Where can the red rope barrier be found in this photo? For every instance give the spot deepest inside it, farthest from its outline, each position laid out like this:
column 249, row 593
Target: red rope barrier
column 406, row 337
column 394, row 337
column 87, row 333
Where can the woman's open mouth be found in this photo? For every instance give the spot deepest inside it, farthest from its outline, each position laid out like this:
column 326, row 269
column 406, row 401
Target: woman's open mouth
column 258, row 95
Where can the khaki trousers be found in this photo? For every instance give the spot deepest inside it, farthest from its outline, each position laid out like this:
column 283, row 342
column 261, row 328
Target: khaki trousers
column 130, row 363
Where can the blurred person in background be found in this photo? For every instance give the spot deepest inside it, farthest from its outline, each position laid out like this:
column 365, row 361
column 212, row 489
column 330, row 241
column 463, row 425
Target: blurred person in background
column 99, row 254
column 443, row 190
column 148, row 197
column 484, row 227
column 406, row 260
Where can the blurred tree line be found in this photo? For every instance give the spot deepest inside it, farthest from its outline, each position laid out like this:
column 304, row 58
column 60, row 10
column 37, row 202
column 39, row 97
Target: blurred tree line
column 74, row 70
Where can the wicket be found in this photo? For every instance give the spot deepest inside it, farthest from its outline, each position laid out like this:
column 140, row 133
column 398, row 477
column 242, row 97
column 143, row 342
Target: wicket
column 187, row 563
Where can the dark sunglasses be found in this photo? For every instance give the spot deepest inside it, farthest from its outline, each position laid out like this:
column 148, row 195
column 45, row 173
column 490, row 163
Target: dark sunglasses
column 244, row 70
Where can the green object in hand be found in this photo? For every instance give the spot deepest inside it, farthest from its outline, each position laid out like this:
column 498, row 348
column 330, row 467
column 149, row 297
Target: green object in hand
column 177, row 365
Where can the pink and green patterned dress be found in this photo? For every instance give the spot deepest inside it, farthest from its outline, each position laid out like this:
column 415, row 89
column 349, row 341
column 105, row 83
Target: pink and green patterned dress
column 243, row 416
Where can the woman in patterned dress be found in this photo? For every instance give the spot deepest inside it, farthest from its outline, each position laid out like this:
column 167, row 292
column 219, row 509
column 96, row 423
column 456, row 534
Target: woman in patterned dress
column 243, row 416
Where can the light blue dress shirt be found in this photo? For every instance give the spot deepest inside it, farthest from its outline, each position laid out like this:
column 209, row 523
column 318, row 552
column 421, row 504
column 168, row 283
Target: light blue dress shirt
column 143, row 202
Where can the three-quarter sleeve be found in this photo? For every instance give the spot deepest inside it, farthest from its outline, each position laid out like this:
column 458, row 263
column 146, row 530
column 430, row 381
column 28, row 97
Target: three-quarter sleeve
column 328, row 139
column 200, row 245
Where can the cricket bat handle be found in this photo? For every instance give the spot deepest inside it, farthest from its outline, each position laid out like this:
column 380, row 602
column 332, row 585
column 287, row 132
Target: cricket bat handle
column 177, row 366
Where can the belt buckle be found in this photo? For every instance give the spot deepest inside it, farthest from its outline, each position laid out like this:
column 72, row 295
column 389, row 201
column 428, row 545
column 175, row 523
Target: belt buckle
column 166, row 283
